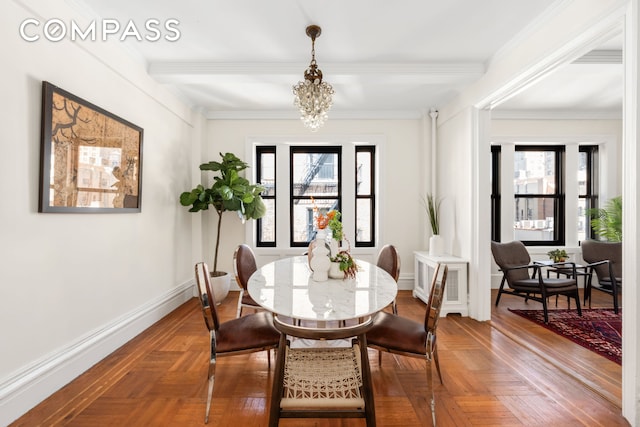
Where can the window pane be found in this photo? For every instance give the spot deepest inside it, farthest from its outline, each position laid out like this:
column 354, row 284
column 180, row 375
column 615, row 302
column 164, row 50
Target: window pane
column 315, row 174
column 363, row 220
column 583, row 221
column 534, row 218
column 582, row 173
column 363, row 171
column 302, row 217
column 267, row 173
column 534, row 172
column 267, row 228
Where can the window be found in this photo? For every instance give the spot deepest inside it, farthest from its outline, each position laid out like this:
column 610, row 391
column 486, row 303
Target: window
column 266, row 176
column 539, row 186
column 315, row 178
column 539, row 197
column 302, row 175
column 495, row 193
column 365, row 196
column 587, row 195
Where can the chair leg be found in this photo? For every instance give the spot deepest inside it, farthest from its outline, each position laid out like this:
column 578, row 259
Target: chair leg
column 212, row 376
column 367, row 386
column 278, row 383
column 394, row 307
column 239, row 309
column 432, row 400
column 545, row 309
column 587, row 291
column 500, row 290
column 435, row 359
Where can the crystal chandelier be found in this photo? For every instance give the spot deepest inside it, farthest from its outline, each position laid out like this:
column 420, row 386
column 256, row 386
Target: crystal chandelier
column 313, row 96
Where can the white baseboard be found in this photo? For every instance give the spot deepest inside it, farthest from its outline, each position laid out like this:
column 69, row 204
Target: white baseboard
column 36, row 382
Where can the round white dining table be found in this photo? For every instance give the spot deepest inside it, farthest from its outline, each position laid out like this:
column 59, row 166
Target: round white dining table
column 286, row 287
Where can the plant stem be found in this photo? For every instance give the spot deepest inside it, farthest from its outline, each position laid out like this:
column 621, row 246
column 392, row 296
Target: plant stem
column 215, row 257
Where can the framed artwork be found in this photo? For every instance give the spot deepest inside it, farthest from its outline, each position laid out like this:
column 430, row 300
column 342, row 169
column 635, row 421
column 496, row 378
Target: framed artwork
column 90, row 159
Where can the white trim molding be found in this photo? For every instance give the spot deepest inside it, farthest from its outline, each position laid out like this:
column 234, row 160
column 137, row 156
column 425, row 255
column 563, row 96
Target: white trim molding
column 28, row 387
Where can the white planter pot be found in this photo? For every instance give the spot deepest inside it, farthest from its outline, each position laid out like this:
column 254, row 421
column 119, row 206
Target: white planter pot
column 220, row 284
column 334, row 271
column 436, row 245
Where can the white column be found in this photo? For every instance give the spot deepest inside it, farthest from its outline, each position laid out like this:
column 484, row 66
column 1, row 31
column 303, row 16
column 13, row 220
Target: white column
column 571, row 195
column 631, row 220
column 507, row 202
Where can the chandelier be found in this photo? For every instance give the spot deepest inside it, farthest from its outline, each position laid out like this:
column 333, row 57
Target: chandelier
column 313, row 96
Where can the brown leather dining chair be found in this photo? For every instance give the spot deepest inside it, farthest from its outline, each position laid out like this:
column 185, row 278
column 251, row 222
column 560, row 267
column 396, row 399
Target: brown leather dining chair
column 515, row 263
column 604, row 259
column 247, row 334
column 389, row 261
column 406, row 337
column 244, row 265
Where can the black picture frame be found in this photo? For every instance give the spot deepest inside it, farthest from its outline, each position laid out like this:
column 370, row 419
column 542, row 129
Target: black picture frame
column 90, row 159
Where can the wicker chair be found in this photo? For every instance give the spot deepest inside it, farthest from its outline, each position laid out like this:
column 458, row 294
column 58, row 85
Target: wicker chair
column 605, row 259
column 323, row 381
column 515, row 263
column 244, row 265
column 246, row 334
column 389, row 261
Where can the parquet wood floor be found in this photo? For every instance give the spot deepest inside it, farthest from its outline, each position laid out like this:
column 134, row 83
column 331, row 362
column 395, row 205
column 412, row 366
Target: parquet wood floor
column 507, row 372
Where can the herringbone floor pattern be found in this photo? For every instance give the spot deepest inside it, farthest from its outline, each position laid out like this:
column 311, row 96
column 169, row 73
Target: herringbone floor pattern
column 501, row 373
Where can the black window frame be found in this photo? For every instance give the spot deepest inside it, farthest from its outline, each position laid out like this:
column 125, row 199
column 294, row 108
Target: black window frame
column 496, row 198
column 266, row 149
column 371, row 196
column 324, row 149
column 558, row 197
column 591, row 195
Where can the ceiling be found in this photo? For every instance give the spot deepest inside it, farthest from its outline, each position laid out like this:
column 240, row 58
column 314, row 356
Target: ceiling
column 384, row 59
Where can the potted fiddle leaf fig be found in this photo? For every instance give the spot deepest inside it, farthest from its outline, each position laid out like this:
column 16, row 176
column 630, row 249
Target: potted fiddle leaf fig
column 229, row 192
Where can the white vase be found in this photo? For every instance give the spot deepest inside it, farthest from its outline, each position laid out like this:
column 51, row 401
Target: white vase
column 335, row 272
column 320, row 262
column 436, row 245
column 220, row 284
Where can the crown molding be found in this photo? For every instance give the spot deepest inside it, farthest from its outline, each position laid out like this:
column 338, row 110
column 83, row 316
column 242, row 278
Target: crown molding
column 556, row 114
column 293, row 115
column 601, row 57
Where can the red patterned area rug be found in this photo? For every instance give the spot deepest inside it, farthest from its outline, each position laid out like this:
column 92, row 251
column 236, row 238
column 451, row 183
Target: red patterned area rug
column 599, row 330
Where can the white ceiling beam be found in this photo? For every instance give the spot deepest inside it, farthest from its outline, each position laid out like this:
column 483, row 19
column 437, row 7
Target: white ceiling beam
column 425, row 73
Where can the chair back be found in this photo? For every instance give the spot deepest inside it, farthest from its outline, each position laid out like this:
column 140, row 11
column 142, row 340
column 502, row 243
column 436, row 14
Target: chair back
column 244, row 265
column 207, row 299
column 389, row 261
column 511, row 254
column 594, row 251
column 316, row 333
column 436, row 297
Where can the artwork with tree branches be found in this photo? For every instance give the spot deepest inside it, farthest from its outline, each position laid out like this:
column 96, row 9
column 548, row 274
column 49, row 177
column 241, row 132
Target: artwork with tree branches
column 90, row 159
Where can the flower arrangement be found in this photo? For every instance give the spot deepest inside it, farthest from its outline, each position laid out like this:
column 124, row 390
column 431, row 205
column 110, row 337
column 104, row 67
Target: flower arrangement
column 330, row 219
column 347, row 264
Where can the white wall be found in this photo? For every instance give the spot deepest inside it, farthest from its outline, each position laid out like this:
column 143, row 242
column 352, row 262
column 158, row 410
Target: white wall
column 454, row 183
column 75, row 286
column 403, row 158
